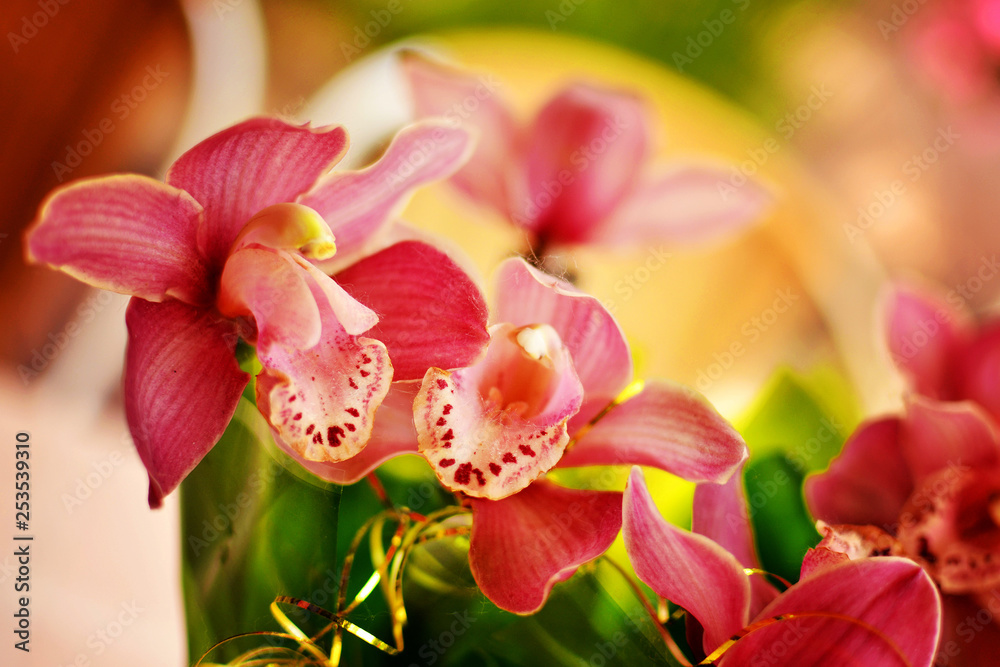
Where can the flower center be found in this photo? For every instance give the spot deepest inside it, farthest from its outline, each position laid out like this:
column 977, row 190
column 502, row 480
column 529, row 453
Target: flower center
column 291, row 227
column 951, row 525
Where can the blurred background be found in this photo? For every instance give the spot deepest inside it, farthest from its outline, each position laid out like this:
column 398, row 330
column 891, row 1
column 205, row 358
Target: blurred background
column 874, row 124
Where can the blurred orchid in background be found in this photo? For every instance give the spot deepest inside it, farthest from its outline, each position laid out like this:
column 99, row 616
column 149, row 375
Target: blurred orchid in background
column 872, row 611
column 578, row 172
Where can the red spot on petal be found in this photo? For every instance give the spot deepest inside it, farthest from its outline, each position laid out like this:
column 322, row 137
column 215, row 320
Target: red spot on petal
column 297, row 416
column 464, row 474
column 312, row 427
column 364, row 374
column 350, row 427
column 446, row 462
column 334, row 434
column 447, row 408
column 479, row 476
column 291, row 399
column 366, row 359
column 543, row 432
column 442, row 421
column 353, row 412
column 494, row 468
column 318, row 438
column 442, row 384
column 450, row 435
column 351, row 382
column 526, row 449
column 509, row 458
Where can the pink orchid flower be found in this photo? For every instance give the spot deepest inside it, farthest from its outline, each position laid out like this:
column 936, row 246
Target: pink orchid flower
column 926, row 486
column 224, row 250
column 579, row 172
column 938, row 344
column 545, row 396
column 881, row 612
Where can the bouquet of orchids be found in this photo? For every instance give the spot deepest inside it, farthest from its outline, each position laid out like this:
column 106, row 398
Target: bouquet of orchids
column 288, row 335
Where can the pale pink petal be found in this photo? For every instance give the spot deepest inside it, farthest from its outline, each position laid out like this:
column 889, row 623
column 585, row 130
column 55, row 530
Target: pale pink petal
column 182, row 384
column 583, row 155
column 868, row 482
column 600, row 352
column 430, row 312
column 355, row 317
column 491, row 429
column 473, row 103
column 979, row 370
column 356, row 204
column 720, row 513
column 937, row 436
column 892, row 595
column 269, row 286
column 523, row 545
column 666, row 426
column 925, row 333
column 688, row 204
column 248, row 167
column 852, row 542
column 819, row 559
column 321, row 401
column 688, row 569
column 129, row 234
column 392, row 435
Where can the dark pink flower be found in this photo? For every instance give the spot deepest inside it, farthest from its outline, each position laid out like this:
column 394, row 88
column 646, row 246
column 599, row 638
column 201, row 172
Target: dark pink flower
column 945, row 353
column 579, row 172
column 224, row 250
column 926, row 486
column 874, row 611
column 556, row 361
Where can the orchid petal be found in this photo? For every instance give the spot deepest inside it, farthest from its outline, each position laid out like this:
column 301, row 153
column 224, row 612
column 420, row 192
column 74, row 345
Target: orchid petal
column 321, row 401
column 666, row 426
column 270, row 286
column 431, row 313
column 182, row 384
column 684, row 205
column 937, row 436
column 868, row 482
column 392, row 435
column 819, row 559
column 356, row 204
column 601, row 355
column 248, row 167
column 583, row 154
column 128, row 234
column 925, row 333
column 523, row 545
column 491, row 429
column 979, row 369
column 852, row 542
column 892, row 595
column 440, row 90
column 686, row 568
column 355, row 317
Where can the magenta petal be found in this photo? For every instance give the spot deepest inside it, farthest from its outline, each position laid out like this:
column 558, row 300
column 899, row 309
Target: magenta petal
column 356, row 204
column 685, row 568
column 525, row 544
column 430, row 311
column 937, row 436
column 979, row 369
column 583, row 155
column 893, row 595
column 666, row 426
column 471, row 102
column 925, row 334
column 321, row 400
column 129, row 234
column 182, row 384
column 600, row 353
column 868, row 483
column 684, row 205
column 392, row 435
column 248, row 167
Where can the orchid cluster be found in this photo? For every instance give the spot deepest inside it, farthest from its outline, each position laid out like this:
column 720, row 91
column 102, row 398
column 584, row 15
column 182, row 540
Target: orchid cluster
column 374, row 342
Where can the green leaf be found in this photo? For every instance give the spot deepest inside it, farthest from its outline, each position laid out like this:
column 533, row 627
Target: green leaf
column 254, row 526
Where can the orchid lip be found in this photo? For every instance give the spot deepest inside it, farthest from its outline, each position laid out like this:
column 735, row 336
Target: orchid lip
column 289, row 226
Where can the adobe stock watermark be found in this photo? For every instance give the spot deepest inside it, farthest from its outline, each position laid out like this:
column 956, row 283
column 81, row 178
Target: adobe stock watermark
column 363, row 35
column 86, row 485
column 793, row 120
column 121, row 108
column 31, row 24
column 696, row 44
column 901, row 13
column 752, row 330
column 105, row 637
column 885, row 198
column 434, row 649
column 562, row 13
